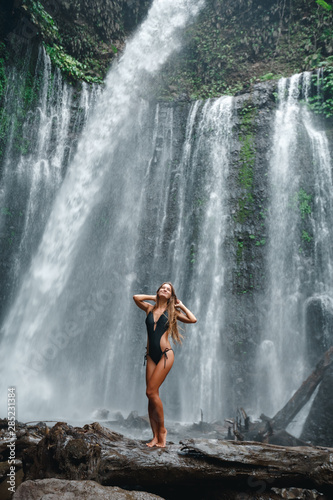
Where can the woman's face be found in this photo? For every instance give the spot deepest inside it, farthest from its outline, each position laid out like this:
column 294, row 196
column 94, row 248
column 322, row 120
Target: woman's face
column 165, row 291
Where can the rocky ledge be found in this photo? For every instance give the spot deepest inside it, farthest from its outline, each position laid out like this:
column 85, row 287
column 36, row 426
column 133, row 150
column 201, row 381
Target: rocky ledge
column 86, row 462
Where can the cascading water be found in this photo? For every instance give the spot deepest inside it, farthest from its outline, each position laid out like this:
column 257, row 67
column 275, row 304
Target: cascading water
column 35, row 156
column 84, row 264
column 186, row 207
column 282, row 322
column 299, row 258
column 319, row 338
column 208, row 181
column 152, row 195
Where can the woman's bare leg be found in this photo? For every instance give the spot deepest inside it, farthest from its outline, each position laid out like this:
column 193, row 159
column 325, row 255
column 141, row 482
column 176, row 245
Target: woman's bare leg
column 156, row 406
column 154, row 427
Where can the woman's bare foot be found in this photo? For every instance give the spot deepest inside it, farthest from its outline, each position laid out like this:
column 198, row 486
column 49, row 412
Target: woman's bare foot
column 162, row 438
column 153, row 442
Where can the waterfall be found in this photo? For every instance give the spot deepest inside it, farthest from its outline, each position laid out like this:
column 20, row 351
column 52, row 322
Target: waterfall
column 207, row 179
column 319, row 338
column 38, row 148
column 299, row 257
column 149, row 193
column 72, row 307
column 284, row 262
column 185, row 208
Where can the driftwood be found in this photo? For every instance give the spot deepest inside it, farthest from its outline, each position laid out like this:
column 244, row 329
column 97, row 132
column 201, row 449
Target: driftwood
column 283, row 418
column 96, row 453
column 200, row 468
column 272, row 430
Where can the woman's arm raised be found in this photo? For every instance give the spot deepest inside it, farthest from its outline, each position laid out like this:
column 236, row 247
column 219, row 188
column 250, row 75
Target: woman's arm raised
column 140, row 301
column 188, row 317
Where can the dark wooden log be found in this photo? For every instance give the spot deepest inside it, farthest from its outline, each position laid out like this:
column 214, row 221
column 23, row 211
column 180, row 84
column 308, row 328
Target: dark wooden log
column 283, row 418
column 270, row 429
column 96, row 453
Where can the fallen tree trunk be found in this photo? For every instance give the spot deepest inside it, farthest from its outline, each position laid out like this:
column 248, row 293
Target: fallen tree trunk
column 272, row 430
column 96, row 453
column 283, row 418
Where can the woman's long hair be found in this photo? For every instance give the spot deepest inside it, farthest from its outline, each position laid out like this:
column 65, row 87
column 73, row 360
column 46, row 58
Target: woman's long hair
column 172, row 313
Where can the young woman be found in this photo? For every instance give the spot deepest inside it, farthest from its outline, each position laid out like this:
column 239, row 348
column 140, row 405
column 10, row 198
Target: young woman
column 161, row 323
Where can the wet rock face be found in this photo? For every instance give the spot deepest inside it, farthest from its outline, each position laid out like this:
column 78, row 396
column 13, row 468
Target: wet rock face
column 80, row 31
column 93, row 32
column 111, row 18
column 318, row 427
column 298, row 494
column 319, row 326
column 246, row 279
column 85, row 490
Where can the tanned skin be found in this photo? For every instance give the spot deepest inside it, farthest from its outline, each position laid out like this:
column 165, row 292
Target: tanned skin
column 156, row 373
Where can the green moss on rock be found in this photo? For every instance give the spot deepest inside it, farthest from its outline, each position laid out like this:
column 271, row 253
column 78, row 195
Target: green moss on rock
column 247, row 156
column 234, row 44
column 81, row 37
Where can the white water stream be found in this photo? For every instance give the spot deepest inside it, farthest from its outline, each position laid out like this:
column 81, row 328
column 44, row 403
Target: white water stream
column 39, row 327
column 300, row 258
column 146, row 199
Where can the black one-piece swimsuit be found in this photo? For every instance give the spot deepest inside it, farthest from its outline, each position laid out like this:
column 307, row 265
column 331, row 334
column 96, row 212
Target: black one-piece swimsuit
column 154, row 336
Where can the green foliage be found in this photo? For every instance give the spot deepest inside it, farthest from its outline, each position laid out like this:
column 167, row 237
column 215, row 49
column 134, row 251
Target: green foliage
column 42, row 19
column 4, row 123
column 306, row 237
column 263, row 213
column 303, row 201
column 324, row 4
column 322, row 102
column 69, row 66
column 239, row 251
column 26, row 93
column 268, row 76
column 246, row 159
column 3, row 78
column 5, row 211
column 3, row 85
column 232, row 45
column 11, row 214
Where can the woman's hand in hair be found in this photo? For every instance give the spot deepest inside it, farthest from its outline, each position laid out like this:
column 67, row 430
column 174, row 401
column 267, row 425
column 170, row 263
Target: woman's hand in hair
column 179, row 304
column 188, row 316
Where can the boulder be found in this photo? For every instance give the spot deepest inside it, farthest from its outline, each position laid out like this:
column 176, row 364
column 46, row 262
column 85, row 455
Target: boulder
column 57, row 489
